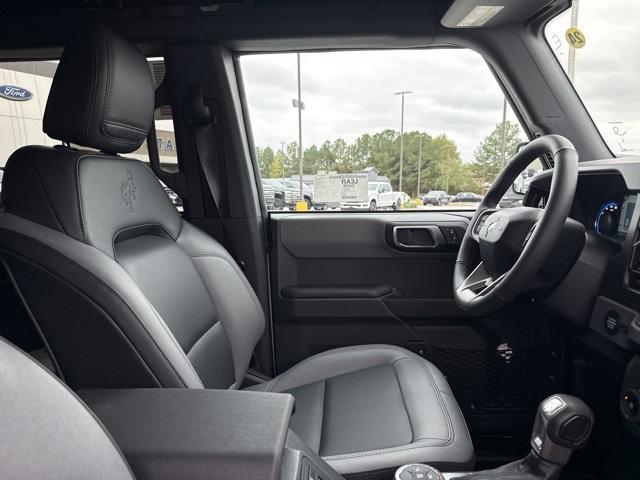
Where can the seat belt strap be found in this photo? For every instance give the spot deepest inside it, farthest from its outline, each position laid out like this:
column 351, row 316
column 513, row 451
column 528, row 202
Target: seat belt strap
column 202, row 124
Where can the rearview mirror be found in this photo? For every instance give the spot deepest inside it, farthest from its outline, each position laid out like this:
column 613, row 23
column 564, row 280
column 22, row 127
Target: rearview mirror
column 518, row 185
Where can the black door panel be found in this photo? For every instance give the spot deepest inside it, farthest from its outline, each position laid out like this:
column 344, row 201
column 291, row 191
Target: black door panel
column 341, row 279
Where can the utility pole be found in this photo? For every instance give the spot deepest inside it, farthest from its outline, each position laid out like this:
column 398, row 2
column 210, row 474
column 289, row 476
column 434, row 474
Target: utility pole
column 571, row 70
column 503, row 146
column 402, row 93
column 419, row 165
column 299, row 104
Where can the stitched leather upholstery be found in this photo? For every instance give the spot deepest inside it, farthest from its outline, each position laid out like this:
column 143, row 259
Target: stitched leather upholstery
column 128, row 294
column 375, row 407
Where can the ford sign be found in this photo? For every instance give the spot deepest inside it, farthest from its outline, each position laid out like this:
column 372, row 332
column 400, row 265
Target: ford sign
column 11, row 92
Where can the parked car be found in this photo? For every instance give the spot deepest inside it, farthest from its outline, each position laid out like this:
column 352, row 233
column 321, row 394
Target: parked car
column 284, row 197
column 467, row 197
column 436, row 197
column 381, row 195
column 295, row 188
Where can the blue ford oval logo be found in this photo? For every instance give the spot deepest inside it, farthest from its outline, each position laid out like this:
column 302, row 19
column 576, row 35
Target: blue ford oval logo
column 11, row 92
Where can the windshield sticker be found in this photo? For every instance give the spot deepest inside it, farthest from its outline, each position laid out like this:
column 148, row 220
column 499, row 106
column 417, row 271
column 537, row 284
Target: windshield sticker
column 575, row 38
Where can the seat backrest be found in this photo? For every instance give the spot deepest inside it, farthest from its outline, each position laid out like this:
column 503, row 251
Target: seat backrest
column 47, row 432
column 124, row 291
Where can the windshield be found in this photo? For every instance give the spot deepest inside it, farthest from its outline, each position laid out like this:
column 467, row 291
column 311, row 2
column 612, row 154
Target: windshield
column 596, row 43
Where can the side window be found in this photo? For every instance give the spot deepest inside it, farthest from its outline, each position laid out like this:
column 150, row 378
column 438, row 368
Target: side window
column 24, row 89
column 426, row 125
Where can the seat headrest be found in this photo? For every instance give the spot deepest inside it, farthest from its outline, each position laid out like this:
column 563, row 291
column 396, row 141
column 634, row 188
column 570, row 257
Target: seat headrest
column 102, row 94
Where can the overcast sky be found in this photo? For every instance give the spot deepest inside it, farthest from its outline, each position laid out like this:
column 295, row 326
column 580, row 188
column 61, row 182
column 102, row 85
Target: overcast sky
column 347, row 94
column 608, row 67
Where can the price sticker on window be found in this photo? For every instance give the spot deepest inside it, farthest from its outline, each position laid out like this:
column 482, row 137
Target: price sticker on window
column 336, row 188
column 575, row 37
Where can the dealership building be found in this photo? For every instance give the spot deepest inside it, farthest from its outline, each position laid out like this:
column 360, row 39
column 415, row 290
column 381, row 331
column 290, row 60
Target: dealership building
column 24, row 88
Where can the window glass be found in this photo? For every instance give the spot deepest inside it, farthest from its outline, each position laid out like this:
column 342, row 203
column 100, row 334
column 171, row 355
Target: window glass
column 458, row 131
column 595, row 42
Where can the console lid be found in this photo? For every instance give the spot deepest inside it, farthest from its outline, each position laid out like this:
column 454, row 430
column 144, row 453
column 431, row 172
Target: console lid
column 196, row 434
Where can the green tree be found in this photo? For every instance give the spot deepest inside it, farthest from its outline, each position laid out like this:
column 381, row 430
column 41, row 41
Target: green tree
column 265, row 159
column 441, row 165
column 291, row 161
column 327, row 157
column 277, row 167
column 488, row 156
column 312, row 160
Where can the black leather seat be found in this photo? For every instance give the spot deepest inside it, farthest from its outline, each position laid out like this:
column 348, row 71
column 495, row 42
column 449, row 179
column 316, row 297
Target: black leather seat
column 128, row 294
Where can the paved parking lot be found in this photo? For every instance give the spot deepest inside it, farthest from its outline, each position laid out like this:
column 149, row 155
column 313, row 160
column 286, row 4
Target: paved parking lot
column 451, row 206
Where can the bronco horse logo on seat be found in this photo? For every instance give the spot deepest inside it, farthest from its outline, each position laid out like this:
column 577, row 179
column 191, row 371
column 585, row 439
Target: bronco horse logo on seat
column 128, row 190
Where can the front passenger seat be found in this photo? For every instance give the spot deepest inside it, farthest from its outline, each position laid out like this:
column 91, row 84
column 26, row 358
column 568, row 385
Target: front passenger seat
column 128, row 294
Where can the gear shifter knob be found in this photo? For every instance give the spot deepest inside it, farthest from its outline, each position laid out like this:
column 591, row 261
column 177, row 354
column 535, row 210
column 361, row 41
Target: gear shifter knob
column 418, row 471
column 563, row 424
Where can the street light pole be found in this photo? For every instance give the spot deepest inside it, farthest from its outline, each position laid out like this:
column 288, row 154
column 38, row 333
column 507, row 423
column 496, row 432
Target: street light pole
column 402, row 93
column 300, row 106
column 419, row 165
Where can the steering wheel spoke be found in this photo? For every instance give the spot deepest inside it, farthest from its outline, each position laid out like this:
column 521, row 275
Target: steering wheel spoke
column 478, row 283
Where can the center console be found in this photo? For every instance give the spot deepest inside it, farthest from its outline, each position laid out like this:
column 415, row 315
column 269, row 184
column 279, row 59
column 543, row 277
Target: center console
column 212, row 434
column 225, row 434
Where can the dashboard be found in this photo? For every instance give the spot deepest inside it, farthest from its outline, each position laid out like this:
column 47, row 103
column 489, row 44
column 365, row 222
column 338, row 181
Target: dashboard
column 601, row 293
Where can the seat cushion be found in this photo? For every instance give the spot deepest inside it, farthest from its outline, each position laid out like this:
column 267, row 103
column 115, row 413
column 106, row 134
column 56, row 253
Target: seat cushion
column 369, row 409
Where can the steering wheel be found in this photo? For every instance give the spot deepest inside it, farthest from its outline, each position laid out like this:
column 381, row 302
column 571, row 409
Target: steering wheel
column 503, row 250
